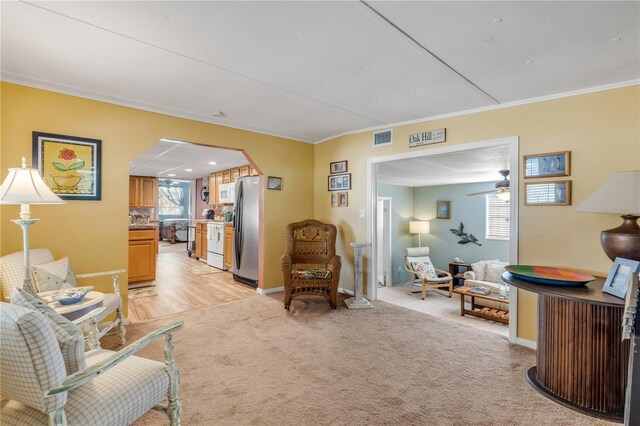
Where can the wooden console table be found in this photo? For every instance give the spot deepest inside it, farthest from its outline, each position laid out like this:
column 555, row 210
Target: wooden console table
column 581, row 358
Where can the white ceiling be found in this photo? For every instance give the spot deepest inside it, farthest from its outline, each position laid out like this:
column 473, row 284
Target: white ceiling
column 311, row 70
column 167, row 158
column 478, row 165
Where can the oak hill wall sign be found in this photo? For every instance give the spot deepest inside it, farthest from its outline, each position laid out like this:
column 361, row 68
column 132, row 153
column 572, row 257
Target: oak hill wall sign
column 427, row 138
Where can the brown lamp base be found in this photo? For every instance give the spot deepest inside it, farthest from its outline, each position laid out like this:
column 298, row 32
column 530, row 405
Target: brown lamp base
column 623, row 241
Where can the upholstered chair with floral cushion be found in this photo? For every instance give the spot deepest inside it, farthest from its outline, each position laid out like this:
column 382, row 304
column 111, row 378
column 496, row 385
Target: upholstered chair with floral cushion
column 107, row 388
column 310, row 264
column 51, row 275
column 419, row 265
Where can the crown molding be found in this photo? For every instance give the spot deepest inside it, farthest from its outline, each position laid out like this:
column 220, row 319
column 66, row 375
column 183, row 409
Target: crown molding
column 594, row 89
column 145, row 106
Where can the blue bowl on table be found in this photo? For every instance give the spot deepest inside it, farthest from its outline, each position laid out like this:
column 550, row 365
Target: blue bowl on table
column 70, row 297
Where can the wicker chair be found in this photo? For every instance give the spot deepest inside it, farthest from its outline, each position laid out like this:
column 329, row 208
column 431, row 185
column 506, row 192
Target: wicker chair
column 310, row 265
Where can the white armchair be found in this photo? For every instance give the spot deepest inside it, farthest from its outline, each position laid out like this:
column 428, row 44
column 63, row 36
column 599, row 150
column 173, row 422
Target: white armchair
column 12, row 275
column 115, row 388
column 418, row 263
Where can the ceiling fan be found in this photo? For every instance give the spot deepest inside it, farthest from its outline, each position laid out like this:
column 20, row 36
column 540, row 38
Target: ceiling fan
column 502, row 187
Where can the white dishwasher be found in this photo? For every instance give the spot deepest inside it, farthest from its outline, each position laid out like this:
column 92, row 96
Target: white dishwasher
column 215, row 244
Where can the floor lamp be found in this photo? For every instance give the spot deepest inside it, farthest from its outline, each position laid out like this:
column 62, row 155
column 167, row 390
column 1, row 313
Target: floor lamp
column 419, row 227
column 25, row 186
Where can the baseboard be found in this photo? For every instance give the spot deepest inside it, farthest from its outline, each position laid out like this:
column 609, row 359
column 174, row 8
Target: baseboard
column 526, row 343
column 345, row 291
column 269, row 290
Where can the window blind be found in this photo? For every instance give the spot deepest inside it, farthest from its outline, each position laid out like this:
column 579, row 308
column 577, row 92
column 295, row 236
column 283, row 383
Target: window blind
column 498, row 219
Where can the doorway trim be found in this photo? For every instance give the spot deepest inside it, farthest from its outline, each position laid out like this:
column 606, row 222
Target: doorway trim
column 372, row 201
column 388, row 279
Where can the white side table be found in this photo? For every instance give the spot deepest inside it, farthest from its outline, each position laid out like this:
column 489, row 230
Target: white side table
column 358, row 301
column 91, row 301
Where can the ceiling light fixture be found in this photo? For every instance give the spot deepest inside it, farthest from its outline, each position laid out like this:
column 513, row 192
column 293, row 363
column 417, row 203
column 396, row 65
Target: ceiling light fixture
column 616, row 39
column 212, row 163
column 218, row 114
column 497, row 20
column 188, row 170
column 528, row 61
column 171, row 174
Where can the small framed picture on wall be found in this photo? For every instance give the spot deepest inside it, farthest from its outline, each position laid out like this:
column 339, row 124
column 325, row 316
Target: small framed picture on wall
column 443, row 209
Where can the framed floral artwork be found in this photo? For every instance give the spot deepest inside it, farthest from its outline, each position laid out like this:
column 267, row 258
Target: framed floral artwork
column 69, row 165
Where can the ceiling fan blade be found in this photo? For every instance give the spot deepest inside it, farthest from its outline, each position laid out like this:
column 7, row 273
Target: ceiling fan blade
column 493, row 191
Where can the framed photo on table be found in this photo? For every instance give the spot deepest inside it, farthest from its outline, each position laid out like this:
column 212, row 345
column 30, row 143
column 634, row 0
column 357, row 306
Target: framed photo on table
column 69, row 165
column 617, row 282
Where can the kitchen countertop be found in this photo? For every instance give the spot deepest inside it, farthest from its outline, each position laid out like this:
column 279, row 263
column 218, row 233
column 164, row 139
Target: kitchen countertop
column 140, row 226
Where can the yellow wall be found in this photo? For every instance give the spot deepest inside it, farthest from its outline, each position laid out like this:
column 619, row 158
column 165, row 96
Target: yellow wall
column 94, row 233
column 602, row 131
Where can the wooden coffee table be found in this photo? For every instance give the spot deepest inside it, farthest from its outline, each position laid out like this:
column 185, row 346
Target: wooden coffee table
column 493, row 314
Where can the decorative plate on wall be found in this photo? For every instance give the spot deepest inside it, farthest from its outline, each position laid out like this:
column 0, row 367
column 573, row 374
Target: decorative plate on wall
column 549, row 275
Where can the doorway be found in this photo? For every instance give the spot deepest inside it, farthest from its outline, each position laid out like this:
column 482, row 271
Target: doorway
column 182, row 190
column 373, row 167
column 383, row 253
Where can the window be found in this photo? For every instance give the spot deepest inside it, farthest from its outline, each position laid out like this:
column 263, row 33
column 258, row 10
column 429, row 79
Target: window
column 498, row 219
column 166, row 207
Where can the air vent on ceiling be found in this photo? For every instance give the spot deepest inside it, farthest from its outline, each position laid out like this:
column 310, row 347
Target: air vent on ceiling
column 384, row 137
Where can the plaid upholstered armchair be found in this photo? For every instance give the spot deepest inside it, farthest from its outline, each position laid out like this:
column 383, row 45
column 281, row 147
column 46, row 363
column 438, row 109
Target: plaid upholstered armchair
column 310, row 264
column 42, row 263
column 48, row 379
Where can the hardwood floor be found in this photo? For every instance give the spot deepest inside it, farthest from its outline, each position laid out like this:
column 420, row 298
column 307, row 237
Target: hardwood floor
column 180, row 290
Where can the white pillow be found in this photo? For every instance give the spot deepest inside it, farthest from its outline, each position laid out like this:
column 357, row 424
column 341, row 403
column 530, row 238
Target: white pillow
column 53, row 275
column 493, row 271
column 480, row 269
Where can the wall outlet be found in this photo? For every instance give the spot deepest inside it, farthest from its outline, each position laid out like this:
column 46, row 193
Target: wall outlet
column 362, row 212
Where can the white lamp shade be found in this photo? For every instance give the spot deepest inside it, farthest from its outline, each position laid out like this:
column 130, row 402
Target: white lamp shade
column 619, row 195
column 25, row 186
column 418, row 227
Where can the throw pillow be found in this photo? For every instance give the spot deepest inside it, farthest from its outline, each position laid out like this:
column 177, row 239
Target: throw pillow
column 493, row 271
column 424, row 269
column 479, row 269
column 69, row 336
column 54, row 275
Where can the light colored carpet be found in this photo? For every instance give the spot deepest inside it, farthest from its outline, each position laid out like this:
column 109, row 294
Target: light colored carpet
column 137, row 293
column 249, row 362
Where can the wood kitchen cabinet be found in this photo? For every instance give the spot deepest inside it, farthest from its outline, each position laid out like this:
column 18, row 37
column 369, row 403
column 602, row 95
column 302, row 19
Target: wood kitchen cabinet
column 143, row 191
column 143, row 247
column 228, row 246
column 226, row 176
column 201, row 241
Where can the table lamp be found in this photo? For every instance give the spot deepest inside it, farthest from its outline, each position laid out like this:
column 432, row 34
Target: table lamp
column 419, row 227
column 25, row 186
column 619, row 195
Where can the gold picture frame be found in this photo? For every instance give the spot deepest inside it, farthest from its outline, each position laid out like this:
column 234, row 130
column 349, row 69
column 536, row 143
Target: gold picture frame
column 69, row 165
column 551, row 193
column 549, row 164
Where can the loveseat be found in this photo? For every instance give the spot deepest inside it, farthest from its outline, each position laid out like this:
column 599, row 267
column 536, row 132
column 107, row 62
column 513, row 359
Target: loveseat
column 486, row 273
